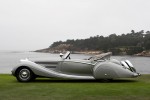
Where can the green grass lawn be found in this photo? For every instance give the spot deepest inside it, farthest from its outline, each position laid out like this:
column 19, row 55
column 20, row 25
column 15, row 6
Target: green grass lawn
column 58, row 89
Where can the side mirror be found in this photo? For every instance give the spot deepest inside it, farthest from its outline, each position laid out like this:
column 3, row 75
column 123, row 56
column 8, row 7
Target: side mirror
column 61, row 55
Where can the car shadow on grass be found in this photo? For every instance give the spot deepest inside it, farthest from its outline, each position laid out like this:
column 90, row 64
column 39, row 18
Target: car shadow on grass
column 84, row 81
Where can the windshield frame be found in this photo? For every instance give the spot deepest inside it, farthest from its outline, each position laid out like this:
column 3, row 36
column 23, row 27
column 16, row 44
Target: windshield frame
column 66, row 55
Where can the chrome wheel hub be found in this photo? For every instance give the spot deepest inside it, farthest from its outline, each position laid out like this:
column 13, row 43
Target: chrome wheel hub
column 24, row 74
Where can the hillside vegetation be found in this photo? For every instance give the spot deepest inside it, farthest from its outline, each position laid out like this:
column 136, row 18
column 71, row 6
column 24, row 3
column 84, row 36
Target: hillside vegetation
column 129, row 43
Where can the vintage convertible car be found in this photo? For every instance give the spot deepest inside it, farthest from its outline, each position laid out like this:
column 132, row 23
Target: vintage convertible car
column 95, row 67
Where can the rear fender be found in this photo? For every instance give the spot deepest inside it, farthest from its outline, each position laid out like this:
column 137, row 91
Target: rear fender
column 104, row 71
column 109, row 70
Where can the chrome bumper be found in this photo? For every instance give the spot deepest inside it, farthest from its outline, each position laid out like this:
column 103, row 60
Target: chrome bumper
column 136, row 74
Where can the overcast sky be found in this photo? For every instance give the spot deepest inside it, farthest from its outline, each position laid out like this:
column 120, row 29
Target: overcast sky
column 35, row 24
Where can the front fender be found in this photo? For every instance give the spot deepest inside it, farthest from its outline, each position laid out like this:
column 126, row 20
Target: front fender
column 36, row 69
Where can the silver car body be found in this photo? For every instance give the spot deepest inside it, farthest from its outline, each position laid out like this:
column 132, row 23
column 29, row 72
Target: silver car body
column 96, row 67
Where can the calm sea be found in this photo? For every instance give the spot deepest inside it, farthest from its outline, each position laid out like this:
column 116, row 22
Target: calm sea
column 8, row 60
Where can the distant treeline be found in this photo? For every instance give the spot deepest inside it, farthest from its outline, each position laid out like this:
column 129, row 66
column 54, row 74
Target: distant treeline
column 129, row 43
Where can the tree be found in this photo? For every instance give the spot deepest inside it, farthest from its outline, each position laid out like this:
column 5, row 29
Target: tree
column 132, row 42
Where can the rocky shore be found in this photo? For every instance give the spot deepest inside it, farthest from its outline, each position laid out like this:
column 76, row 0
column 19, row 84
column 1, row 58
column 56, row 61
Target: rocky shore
column 73, row 52
column 63, row 49
column 144, row 53
column 48, row 50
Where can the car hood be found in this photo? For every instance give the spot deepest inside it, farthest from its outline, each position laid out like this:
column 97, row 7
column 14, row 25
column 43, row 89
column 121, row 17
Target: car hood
column 58, row 60
column 44, row 60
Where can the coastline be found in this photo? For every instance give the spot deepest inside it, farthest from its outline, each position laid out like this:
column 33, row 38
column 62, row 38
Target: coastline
column 73, row 52
column 142, row 54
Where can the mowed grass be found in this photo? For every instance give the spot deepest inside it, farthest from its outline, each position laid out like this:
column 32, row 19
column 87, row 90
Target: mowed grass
column 58, row 89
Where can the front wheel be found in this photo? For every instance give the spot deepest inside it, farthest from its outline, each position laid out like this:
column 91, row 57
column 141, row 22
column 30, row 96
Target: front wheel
column 24, row 74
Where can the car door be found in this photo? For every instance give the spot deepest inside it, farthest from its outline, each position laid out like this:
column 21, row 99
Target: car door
column 76, row 67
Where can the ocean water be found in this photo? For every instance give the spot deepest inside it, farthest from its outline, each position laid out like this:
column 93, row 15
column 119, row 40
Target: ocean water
column 8, row 60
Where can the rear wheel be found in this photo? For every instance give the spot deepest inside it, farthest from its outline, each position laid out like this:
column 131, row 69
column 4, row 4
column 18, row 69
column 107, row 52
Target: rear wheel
column 24, row 74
